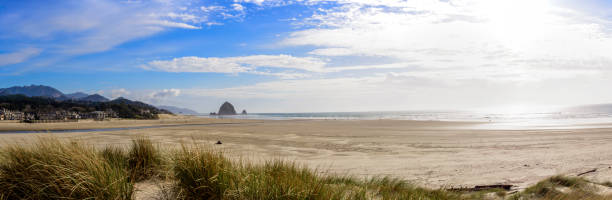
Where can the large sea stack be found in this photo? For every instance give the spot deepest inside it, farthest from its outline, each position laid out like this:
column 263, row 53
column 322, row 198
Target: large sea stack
column 227, row 109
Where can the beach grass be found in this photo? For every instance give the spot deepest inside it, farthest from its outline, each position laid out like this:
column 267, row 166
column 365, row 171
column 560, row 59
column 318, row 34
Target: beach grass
column 202, row 173
column 562, row 187
column 54, row 169
column 144, row 159
column 51, row 169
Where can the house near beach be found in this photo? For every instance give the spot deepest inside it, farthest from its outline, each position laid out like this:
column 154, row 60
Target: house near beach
column 6, row 114
column 99, row 115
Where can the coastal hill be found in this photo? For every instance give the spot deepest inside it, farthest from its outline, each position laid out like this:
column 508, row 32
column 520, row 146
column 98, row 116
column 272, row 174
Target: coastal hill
column 47, row 103
column 76, row 95
column 94, row 98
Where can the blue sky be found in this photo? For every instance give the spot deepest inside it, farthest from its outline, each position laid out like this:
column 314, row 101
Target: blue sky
column 314, row 55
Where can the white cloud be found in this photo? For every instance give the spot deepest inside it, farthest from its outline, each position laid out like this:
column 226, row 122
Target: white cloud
column 510, row 38
column 121, row 92
column 258, row 2
column 147, row 96
column 211, row 8
column 237, row 64
column 18, row 56
column 171, row 24
column 328, row 88
column 238, row 7
column 165, row 93
column 186, row 17
column 332, row 52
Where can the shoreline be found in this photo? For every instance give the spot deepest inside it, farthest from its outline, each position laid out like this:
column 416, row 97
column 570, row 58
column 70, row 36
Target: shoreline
column 14, row 126
column 86, row 125
column 7, row 126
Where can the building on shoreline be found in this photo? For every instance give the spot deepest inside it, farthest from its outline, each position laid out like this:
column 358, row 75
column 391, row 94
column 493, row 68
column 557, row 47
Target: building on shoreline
column 57, row 115
column 6, row 114
column 99, row 115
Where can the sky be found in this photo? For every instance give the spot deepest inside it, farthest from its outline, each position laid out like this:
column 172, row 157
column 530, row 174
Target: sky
column 315, row 55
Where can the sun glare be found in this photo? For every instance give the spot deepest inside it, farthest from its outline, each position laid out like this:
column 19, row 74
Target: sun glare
column 517, row 23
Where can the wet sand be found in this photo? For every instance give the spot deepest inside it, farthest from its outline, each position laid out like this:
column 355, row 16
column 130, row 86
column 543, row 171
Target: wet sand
column 432, row 154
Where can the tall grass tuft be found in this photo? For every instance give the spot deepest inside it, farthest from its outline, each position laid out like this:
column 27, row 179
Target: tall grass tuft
column 550, row 189
column 115, row 156
column 143, row 159
column 207, row 174
column 55, row 170
column 202, row 173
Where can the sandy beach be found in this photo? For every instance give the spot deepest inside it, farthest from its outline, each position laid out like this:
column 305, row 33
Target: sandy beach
column 431, row 154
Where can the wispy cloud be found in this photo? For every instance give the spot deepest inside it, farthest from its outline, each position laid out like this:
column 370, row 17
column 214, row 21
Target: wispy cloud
column 116, row 93
column 241, row 64
column 146, row 95
column 68, row 28
column 18, row 56
column 165, row 93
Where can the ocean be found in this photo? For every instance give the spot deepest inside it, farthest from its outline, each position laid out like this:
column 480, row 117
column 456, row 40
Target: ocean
column 557, row 119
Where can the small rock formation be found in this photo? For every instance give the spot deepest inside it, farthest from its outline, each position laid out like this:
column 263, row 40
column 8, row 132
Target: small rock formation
column 219, row 142
column 226, row 109
column 244, row 112
column 213, row 113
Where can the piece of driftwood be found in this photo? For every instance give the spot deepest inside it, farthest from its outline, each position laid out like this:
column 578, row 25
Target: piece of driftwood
column 590, row 171
column 482, row 187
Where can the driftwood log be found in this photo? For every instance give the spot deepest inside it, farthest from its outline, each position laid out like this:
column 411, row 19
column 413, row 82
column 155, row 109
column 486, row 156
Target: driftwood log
column 482, row 187
column 590, row 171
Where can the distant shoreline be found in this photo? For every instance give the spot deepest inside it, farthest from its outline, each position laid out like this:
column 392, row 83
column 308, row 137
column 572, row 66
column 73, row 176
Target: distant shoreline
column 9, row 127
column 13, row 126
column 113, row 124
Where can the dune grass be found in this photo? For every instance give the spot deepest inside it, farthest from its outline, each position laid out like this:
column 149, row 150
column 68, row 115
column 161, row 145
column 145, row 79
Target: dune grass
column 144, row 159
column 561, row 187
column 51, row 169
column 205, row 174
column 54, row 170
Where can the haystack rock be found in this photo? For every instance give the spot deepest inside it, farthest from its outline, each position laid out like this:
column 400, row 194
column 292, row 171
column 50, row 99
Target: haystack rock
column 226, row 109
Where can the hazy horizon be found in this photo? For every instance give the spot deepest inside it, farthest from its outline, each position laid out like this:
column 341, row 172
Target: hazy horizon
column 273, row 56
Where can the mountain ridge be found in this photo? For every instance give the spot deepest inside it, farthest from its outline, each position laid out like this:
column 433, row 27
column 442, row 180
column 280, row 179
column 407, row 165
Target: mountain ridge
column 32, row 91
column 50, row 92
column 76, row 95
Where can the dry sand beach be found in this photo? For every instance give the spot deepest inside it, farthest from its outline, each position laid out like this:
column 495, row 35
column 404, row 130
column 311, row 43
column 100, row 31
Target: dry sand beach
column 432, row 154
